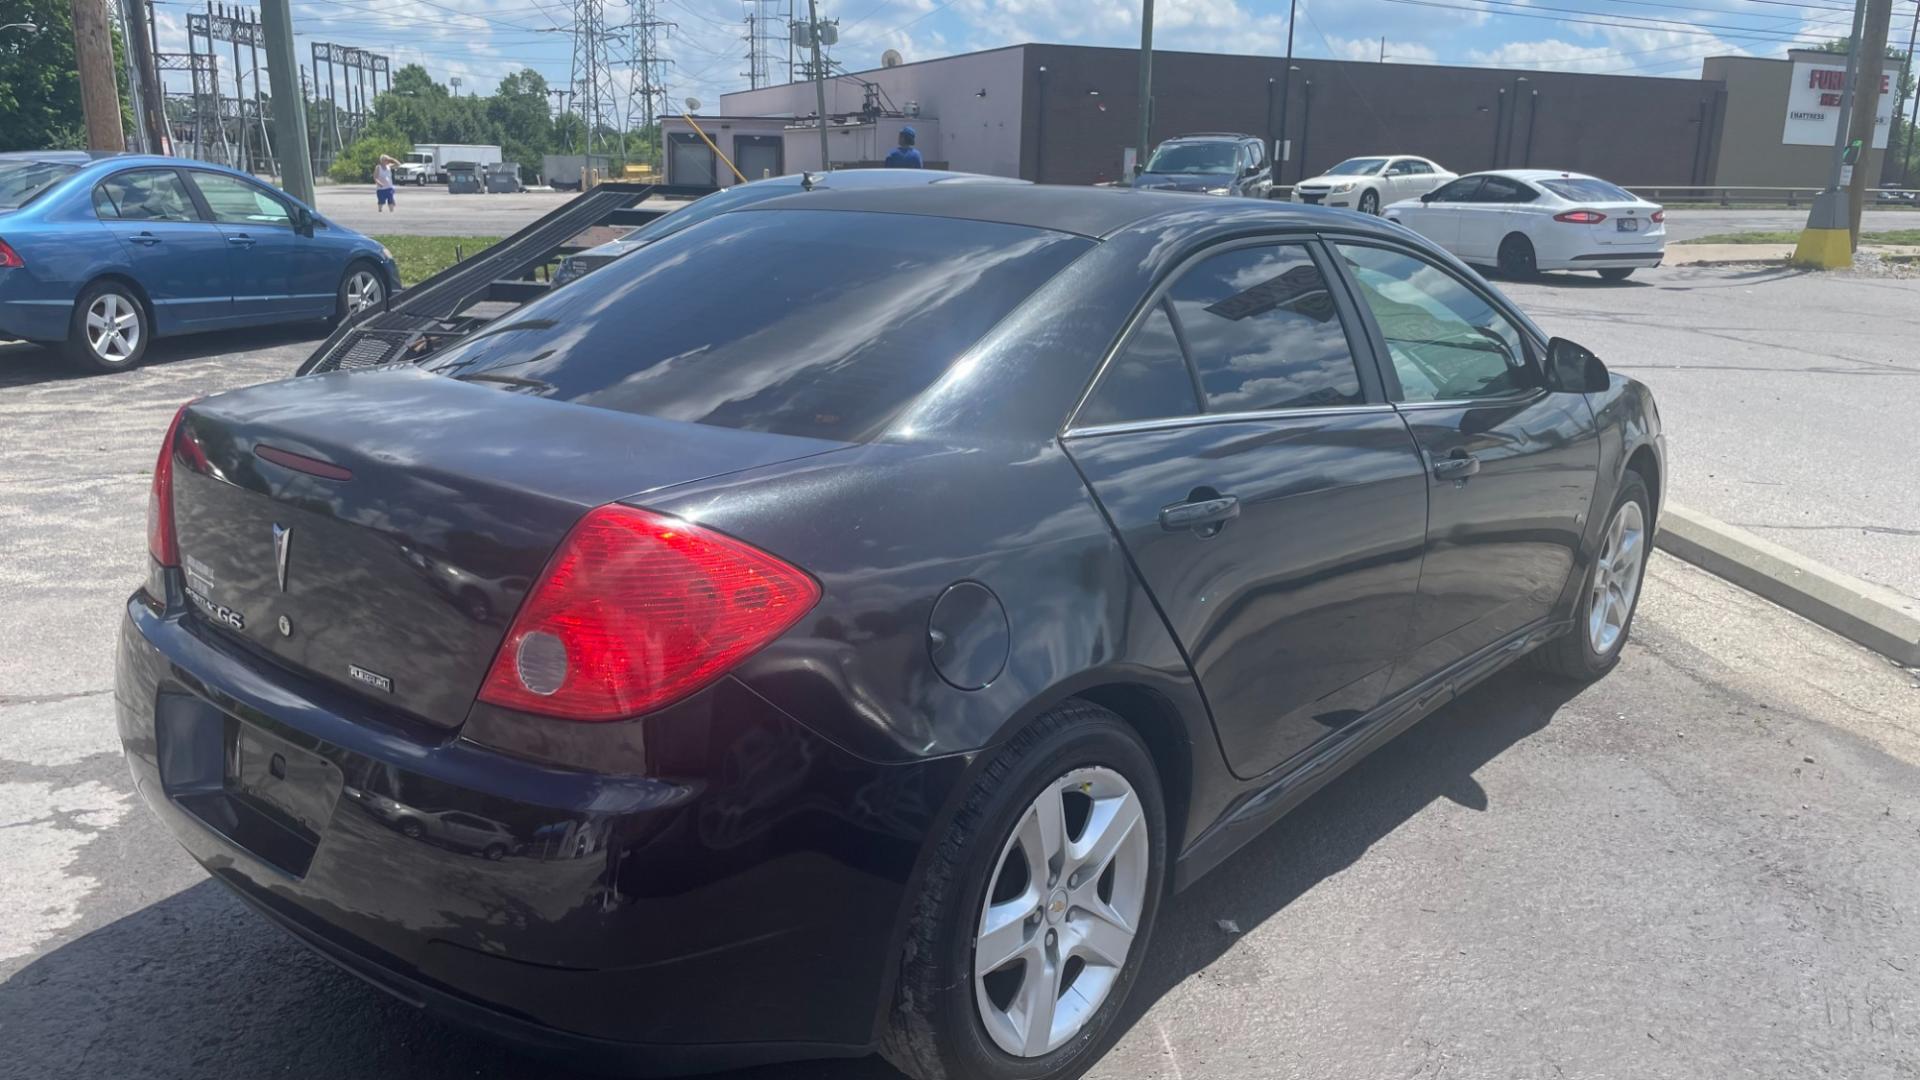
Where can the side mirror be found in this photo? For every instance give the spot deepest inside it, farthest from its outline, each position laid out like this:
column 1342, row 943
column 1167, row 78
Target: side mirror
column 1573, row 369
column 303, row 221
column 1426, row 198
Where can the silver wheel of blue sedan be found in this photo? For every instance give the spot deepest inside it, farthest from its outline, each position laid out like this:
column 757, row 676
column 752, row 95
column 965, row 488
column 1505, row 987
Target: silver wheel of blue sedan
column 1061, row 913
column 1616, row 578
column 363, row 290
column 113, row 328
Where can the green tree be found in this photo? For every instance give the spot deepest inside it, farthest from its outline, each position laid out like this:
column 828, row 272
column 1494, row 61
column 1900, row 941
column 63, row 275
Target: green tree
column 40, row 80
column 413, row 81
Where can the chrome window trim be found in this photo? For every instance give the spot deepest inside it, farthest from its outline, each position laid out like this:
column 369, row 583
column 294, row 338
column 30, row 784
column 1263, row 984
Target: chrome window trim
column 1198, row 419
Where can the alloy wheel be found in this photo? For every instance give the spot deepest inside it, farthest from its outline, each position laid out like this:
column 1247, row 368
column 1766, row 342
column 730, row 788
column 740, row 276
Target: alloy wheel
column 1616, row 578
column 363, row 291
column 1061, row 912
column 113, row 328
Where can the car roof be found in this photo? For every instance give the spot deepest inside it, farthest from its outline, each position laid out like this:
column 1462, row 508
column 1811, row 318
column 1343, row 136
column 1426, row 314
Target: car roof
column 1085, row 211
column 1207, row 136
column 1540, row 174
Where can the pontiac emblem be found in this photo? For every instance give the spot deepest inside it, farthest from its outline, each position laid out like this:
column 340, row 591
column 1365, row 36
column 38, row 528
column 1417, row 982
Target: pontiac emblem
column 282, row 541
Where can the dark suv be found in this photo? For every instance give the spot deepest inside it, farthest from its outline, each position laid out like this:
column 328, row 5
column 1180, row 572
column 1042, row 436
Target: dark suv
column 1210, row 163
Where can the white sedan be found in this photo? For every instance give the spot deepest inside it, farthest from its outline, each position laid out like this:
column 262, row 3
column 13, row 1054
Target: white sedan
column 1368, row 183
column 1527, row 220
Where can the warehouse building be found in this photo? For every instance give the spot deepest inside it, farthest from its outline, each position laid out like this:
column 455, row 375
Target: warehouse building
column 1067, row 114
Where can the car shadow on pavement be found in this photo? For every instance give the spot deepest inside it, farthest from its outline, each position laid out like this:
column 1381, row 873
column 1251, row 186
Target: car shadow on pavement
column 198, row 986
column 26, row 364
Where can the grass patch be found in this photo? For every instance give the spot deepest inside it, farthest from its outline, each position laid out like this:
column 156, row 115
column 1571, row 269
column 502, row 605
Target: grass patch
column 421, row 257
column 1888, row 236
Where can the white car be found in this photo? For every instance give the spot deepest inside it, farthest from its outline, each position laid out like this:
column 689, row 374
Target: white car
column 1526, row 220
column 1368, row 183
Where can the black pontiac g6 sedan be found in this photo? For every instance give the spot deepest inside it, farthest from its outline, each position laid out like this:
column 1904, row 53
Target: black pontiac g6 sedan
column 838, row 627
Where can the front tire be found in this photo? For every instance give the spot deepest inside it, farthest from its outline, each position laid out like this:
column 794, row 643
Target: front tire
column 1604, row 616
column 1517, row 259
column 361, row 287
column 110, row 329
column 1037, row 908
column 1370, row 202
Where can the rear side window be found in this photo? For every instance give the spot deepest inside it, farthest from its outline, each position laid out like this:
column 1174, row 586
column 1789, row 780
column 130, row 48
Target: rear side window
column 1461, row 190
column 1263, row 331
column 1147, row 380
column 1587, row 189
column 1501, row 189
column 802, row 322
column 144, row 195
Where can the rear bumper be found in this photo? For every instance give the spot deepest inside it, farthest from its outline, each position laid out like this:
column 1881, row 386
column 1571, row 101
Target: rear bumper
column 26, row 314
column 740, row 903
column 1619, row 257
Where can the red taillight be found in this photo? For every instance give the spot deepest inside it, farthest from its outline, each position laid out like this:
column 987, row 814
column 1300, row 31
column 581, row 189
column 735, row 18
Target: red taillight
column 162, row 544
column 1581, row 217
column 1659, row 215
column 637, row 610
column 9, row 258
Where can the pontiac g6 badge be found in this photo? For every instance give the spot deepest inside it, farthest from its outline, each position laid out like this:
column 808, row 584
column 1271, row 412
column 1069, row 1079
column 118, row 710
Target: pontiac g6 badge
column 282, row 540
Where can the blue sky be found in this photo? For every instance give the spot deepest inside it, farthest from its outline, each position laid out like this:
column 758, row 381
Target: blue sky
column 481, row 40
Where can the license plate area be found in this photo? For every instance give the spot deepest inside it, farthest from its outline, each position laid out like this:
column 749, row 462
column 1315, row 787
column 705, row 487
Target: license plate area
column 1627, row 224
column 267, row 796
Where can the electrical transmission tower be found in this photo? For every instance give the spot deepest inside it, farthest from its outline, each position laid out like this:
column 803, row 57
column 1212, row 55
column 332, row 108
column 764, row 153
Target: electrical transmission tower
column 768, row 36
column 646, row 73
column 592, row 77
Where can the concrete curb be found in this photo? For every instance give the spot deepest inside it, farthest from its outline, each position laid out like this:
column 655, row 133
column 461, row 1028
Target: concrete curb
column 1867, row 614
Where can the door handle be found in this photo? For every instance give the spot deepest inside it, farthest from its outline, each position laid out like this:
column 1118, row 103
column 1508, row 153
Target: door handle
column 1205, row 516
column 1455, row 466
column 243, row 240
column 145, row 238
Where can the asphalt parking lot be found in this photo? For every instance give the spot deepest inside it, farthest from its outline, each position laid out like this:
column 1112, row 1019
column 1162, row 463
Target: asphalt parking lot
column 1701, row 866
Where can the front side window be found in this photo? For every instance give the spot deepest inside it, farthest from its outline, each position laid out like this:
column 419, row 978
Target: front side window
column 236, row 202
column 144, row 195
column 1447, row 342
column 1147, row 380
column 1263, row 331
column 822, row 323
column 1461, row 190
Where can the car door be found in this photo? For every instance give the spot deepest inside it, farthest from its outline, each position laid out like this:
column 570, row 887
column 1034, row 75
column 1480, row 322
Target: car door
column 1512, row 466
column 1438, row 218
column 278, row 274
column 1498, row 209
column 176, row 256
column 1272, row 501
column 1402, row 181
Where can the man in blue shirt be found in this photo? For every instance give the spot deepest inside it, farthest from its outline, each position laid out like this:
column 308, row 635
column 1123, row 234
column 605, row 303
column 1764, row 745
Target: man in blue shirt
column 904, row 156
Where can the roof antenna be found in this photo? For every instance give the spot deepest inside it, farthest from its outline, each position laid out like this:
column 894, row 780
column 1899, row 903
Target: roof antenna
column 806, row 181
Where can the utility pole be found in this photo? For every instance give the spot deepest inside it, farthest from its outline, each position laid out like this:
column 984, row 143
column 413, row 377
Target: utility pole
column 1286, row 82
column 99, row 90
column 289, row 104
column 1827, row 239
column 1141, row 149
column 1866, row 108
column 1906, row 152
column 152, row 96
column 820, row 79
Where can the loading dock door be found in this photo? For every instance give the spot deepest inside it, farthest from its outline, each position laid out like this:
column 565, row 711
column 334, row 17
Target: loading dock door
column 759, row 156
column 689, row 162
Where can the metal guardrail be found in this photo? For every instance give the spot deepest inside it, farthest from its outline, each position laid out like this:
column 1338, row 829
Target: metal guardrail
column 1733, row 195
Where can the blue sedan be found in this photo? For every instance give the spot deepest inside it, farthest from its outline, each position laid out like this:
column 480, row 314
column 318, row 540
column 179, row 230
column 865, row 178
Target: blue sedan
column 100, row 254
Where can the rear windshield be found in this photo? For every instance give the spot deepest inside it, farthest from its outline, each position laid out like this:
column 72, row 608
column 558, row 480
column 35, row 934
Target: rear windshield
column 802, row 322
column 20, row 181
column 1587, row 189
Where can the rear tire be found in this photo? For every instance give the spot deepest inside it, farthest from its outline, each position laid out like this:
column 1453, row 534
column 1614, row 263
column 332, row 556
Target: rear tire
column 1370, row 203
column 110, row 329
column 1594, row 645
column 1517, row 258
column 953, row 1021
column 1617, row 273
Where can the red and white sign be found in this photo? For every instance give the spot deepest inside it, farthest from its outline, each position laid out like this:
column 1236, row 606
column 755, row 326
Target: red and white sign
column 1814, row 95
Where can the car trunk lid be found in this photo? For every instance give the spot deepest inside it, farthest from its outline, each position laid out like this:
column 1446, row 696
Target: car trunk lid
column 379, row 529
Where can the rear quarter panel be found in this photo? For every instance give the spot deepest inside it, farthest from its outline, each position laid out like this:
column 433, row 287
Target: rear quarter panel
column 62, row 255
